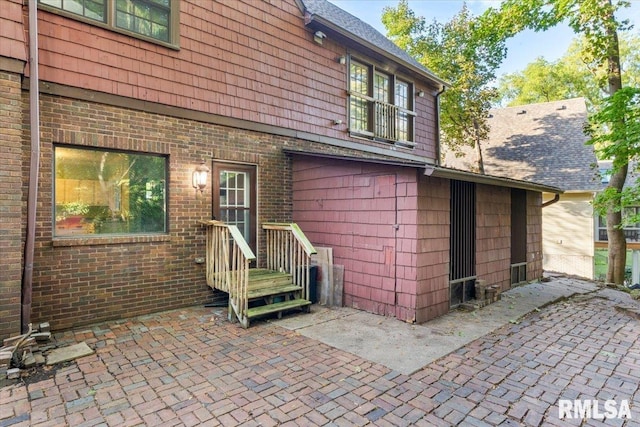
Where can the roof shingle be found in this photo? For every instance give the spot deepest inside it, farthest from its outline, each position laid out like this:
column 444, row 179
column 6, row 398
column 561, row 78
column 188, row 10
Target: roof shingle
column 362, row 31
column 542, row 143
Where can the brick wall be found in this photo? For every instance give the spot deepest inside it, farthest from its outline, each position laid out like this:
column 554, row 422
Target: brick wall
column 433, row 248
column 493, row 235
column 534, row 235
column 11, row 104
column 80, row 281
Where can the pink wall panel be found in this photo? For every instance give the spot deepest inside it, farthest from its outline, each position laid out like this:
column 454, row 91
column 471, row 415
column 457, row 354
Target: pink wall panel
column 432, row 264
column 493, row 235
column 353, row 208
column 534, row 235
column 12, row 30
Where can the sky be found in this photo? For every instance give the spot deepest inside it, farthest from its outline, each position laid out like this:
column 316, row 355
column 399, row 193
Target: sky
column 522, row 49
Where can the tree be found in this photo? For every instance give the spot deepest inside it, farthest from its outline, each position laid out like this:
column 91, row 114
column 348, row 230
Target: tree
column 574, row 74
column 540, row 81
column 615, row 128
column 595, row 20
column 456, row 53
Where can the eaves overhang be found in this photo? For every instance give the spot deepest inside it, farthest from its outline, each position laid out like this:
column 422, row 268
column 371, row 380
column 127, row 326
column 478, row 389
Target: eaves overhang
column 315, row 20
column 434, row 171
column 375, row 48
column 447, row 173
column 379, row 160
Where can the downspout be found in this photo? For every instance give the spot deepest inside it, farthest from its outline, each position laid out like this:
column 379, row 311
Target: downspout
column 34, row 167
column 555, row 199
column 438, row 124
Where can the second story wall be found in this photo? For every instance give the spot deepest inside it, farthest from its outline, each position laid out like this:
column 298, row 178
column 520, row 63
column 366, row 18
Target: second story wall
column 12, row 33
column 243, row 59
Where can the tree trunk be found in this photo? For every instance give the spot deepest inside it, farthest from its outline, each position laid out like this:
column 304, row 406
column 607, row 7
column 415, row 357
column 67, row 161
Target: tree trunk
column 617, row 246
column 479, row 156
column 480, row 160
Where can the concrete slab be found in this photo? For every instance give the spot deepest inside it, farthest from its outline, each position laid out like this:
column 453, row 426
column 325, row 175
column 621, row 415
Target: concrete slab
column 64, row 354
column 406, row 347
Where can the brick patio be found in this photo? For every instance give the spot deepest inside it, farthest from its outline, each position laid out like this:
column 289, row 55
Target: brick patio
column 191, row 367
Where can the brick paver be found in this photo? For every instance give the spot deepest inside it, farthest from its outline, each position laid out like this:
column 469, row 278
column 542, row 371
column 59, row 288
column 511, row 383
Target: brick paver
column 190, row 367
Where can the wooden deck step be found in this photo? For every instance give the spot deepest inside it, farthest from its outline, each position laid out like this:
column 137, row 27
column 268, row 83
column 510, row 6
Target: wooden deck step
column 278, row 307
column 260, row 278
column 272, row 291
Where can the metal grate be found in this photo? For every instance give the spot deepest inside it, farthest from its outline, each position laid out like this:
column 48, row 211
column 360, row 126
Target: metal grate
column 461, row 291
column 462, row 272
column 518, row 273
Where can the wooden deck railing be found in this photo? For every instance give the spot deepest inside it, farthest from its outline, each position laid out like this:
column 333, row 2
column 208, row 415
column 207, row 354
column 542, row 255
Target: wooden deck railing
column 289, row 251
column 228, row 259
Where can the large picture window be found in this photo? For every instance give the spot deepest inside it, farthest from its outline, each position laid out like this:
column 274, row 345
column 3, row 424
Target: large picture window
column 148, row 18
column 109, row 192
column 380, row 105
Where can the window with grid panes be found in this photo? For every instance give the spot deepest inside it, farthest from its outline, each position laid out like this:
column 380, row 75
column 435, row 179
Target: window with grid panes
column 149, row 18
column 380, row 104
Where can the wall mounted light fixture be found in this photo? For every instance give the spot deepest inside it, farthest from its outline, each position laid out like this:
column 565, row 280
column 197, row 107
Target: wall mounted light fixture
column 200, row 177
column 420, row 94
column 319, row 36
column 341, row 60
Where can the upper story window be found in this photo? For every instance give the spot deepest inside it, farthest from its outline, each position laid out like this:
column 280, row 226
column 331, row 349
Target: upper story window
column 380, row 105
column 109, row 192
column 152, row 19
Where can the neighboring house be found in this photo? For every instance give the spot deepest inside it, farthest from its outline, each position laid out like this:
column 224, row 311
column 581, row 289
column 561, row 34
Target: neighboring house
column 546, row 143
column 631, row 230
column 300, row 111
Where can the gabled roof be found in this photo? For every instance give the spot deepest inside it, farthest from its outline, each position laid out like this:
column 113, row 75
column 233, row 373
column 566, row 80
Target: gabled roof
column 543, row 143
column 330, row 15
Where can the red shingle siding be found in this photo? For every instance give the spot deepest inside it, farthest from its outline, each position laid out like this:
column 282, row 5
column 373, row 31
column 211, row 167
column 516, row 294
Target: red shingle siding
column 426, row 126
column 11, row 162
column 12, row 31
column 250, row 60
column 534, row 235
column 493, row 235
column 433, row 248
column 353, row 207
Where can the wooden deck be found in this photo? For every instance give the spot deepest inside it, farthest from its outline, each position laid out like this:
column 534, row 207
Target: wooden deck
column 282, row 287
column 272, row 292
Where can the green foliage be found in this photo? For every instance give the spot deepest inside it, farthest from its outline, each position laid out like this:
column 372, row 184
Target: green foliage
column 73, row 208
column 596, row 22
column 615, row 132
column 540, row 81
column 575, row 74
column 594, row 19
column 615, row 127
column 460, row 54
